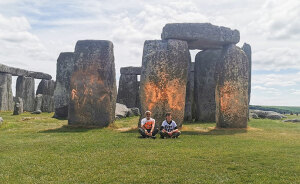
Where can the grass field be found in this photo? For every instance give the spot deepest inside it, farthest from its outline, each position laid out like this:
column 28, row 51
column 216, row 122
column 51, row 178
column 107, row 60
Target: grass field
column 40, row 149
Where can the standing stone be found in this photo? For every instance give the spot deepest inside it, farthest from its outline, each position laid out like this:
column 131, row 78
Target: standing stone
column 205, row 84
column 247, row 49
column 38, row 102
column 64, row 70
column 18, row 108
column 46, row 88
column 232, row 75
column 189, row 99
column 128, row 90
column 93, row 84
column 6, row 96
column 25, row 90
column 164, row 78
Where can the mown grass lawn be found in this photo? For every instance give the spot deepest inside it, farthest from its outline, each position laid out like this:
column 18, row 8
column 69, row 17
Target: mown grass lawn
column 40, row 149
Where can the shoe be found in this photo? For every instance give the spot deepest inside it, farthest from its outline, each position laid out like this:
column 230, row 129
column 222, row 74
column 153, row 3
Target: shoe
column 162, row 137
column 153, row 137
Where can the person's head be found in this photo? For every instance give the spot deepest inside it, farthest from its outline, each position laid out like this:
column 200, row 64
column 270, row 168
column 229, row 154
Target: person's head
column 168, row 116
column 148, row 114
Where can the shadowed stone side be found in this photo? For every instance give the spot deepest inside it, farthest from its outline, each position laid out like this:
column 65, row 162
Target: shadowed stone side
column 6, row 95
column 93, row 84
column 25, row 90
column 64, row 70
column 131, row 70
column 201, row 35
column 247, row 49
column 189, row 98
column 128, row 90
column 232, row 75
column 164, row 78
column 205, row 84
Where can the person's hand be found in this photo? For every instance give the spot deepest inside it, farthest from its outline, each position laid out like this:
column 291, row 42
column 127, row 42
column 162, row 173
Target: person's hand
column 164, row 131
column 150, row 134
column 169, row 133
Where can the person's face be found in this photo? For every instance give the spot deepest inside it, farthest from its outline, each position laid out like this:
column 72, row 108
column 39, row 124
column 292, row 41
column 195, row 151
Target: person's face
column 148, row 115
column 169, row 118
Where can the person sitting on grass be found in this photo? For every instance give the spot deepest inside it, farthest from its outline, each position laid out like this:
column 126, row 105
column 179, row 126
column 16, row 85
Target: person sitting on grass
column 148, row 127
column 169, row 128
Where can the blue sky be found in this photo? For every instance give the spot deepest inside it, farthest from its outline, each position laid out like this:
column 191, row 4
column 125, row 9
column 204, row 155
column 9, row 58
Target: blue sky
column 34, row 32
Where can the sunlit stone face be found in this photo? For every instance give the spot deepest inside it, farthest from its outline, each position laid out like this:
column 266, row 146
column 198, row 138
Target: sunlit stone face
column 163, row 79
column 93, row 85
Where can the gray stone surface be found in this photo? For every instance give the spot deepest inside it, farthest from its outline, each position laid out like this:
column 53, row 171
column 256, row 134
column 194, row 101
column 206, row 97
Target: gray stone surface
column 25, row 90
column 232, row 75
column 205, row 84
column 18, row 108
column 20, row 72
column 267, row 114
column 128, row 90
column 121, row 111
column 164, row 78
column 201, row 35
column 38, row 102
column 6, row 95
column 135, row 111
column 292, row 120
column 37, row 112
column 1, row 121
column 189, row 108
column 247, row 49
column 93, row 84
column 253, row 115
column 64, row 70
column 46, row 88
column 131, row 70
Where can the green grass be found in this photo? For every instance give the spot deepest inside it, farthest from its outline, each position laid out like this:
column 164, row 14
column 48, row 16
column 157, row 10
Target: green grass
column 40, row 149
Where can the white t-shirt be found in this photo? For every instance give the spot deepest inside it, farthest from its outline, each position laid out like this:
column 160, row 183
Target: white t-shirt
column 169, row 127
column 147, row 123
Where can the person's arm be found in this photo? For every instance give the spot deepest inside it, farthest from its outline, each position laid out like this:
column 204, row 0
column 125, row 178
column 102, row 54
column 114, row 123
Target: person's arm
column 162, row 128
column 175, row 129
column 143, row 127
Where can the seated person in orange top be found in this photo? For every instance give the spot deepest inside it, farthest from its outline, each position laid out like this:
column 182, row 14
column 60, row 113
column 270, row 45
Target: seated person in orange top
column 148, row 126
column 169, row 128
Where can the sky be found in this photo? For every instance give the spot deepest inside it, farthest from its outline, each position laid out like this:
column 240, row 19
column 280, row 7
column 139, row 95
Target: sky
column 34, row 32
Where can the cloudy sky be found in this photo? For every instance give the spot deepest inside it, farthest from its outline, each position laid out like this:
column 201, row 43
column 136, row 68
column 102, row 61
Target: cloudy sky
column 34, row 32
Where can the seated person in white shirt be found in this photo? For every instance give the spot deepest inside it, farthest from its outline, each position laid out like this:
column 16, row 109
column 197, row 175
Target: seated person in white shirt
column 169, row 128
column 148, row 126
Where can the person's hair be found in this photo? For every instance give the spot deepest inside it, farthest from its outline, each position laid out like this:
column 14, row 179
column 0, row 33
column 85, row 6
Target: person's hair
column 168, row 114
column 147, row 112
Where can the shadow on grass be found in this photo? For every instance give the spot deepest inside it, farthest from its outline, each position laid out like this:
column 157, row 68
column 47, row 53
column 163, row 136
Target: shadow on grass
column 195, row 132
column 67, row 128
column 215, row 132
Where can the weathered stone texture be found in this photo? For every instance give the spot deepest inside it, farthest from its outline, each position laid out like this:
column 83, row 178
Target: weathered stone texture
column 201, row 35
column 128, row 90
column 18, row 108
column 64, row 70
column 164, row 78
column 247, row 49
column 6, row 95
column 38, row 102
column 232, row 75
column 25, row 73
column 131, row 70
column 25, row 90
column 93, row 84
column 205, row 84
column 46, row 88
column 189, row 99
